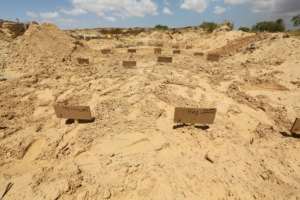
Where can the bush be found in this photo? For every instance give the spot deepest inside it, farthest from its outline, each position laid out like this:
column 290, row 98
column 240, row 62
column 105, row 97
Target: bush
column 296, row 20
column 245, row 29
column 269, row 26
column 209, row 26
column 161, row 27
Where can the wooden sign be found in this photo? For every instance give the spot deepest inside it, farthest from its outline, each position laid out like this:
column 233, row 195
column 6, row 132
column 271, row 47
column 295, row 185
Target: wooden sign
column 213, row 57
column 73, row 112
column 106, row 51
column 83, row 61
column 162, row 59
column 131, row 50
column 198, row 54
column 129, row 64
column 296, row 127
column 176, row 51
column 157, row 50
column 195, row 115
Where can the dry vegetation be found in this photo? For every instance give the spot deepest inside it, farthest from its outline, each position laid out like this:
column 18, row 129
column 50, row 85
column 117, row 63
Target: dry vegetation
column 131, row 151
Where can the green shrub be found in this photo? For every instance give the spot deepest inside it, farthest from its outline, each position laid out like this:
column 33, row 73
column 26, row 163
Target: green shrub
column 209, row 26
column 269, row 26
column 245, row 29
column 296, row 20
column 161, row 27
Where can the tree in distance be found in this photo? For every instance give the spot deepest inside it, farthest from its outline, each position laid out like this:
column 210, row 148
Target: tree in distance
column 245, row 29
column 269, row 26
column 161, row 27
column 209, row 26
column 296, row 20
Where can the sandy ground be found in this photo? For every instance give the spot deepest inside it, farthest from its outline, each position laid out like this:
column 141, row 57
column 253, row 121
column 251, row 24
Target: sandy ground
column 131, row 151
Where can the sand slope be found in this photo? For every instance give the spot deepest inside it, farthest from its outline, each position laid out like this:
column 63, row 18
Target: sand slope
column 132, row 151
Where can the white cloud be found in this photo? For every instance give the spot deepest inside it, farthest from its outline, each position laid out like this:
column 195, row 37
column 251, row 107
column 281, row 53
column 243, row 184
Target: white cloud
column 219, row 10
column 167, row 11
column 32, row 14
column 234, row 2
column 73, row 12
column 282, row 7
column 195, row 5
column 117, row 8
column 49, row 15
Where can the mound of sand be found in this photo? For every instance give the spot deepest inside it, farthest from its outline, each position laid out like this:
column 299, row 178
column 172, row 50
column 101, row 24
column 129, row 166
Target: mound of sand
column 43, row 42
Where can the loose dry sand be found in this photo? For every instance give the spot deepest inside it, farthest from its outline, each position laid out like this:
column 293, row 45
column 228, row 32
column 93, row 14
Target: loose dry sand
column 131, row 151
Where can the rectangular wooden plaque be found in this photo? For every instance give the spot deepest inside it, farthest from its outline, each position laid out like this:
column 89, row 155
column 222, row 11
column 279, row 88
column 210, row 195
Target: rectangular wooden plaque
column 129, row 63
column 157, row 50
column 198, row 54
column 213, row 57
column 131, row 50
column 195, row 115
column 83, row 61
column 176, row 51
column 73, row 112
column 163, row 59
column 296, row 126
column 106, row 51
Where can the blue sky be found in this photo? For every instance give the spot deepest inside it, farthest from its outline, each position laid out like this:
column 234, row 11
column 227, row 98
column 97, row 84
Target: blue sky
column 130, row 13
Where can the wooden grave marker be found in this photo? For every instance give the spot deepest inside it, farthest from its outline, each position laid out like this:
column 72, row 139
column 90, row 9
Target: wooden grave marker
column 129, row 63
column 164, row 59
column 106, row 51
column 73, row 112
column 157, row 50
column 213, row 57
column 198, row 54
column 194, row 115
column 83, row 61
column 177, row 51
column 131, row 50
column 296, row 127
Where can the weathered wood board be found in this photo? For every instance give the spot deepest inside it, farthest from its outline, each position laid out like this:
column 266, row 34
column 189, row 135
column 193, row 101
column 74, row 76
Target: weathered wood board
column 129, row 64
column 106, row 51
column 213, row 57
column 131, row 50
column 195, row 115
column 73, row 112
column 157, row 50
column 163, row 59
column 176, row 51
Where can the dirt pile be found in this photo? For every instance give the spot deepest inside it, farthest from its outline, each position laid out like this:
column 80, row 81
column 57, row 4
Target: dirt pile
column 41, row 43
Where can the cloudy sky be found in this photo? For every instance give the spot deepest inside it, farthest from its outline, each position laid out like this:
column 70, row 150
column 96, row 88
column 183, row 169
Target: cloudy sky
column 128, row 13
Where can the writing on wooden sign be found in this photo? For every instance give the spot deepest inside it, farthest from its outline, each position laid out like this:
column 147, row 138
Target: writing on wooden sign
column 176, row 51
column 198, row 54
column 296, row 127
column 129, row 63
column 106, row 51
column 163, row 59
column 195, row 115
column 213, row 57
column 131, row 50
column 157, row 50
column 73, row 112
